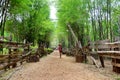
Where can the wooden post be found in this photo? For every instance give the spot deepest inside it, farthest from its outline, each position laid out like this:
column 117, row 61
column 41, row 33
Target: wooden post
column 9, row 59
column 9, row 52
column 102, row 61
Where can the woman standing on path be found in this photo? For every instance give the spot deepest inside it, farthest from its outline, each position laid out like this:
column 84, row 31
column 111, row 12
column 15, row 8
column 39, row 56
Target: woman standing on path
column 60, row 49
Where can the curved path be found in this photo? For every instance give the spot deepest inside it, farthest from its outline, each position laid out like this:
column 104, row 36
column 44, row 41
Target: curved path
column 54, row 68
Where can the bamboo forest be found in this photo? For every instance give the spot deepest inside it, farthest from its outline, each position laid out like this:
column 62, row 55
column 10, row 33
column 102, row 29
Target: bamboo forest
column 59, row 39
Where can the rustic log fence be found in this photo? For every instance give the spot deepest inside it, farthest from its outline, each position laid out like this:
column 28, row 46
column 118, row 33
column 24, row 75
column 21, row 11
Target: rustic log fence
column 15, row 56
column 105, row 48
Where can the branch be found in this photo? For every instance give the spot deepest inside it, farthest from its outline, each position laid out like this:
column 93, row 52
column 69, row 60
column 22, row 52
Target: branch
column 76, row 39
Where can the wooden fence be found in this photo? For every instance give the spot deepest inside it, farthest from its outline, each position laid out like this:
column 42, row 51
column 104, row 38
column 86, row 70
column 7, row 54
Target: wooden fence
column 17, row 53
column 107, row 49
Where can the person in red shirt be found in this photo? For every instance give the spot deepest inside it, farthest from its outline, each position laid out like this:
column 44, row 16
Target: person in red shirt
column 60, row 49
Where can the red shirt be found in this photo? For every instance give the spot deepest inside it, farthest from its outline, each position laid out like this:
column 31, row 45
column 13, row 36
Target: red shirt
column 60, row 48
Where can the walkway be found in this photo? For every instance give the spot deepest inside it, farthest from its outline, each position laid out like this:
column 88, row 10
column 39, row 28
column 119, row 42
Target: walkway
column 54, row 68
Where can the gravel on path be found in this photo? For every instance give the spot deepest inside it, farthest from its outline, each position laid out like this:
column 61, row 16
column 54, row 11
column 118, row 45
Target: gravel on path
column 52, row 67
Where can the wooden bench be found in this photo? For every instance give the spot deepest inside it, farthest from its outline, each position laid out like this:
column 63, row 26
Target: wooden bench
column 107, row 49
column 96, row 46
column 114, row 54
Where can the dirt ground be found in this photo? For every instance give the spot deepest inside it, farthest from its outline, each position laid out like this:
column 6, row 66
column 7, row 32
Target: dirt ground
column 54, row 68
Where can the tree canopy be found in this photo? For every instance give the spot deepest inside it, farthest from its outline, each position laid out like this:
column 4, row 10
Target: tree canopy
column 27, row 19
column 89, row 19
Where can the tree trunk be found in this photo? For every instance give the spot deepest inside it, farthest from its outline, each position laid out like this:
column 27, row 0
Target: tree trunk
column 4, row 8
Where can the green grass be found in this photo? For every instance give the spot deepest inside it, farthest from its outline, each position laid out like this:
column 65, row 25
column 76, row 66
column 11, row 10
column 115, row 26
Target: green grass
column 117, row 79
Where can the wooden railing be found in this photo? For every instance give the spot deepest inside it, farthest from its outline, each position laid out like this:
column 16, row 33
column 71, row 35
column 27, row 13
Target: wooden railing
column 107, row 49
column 11, row 60
column 14, row 56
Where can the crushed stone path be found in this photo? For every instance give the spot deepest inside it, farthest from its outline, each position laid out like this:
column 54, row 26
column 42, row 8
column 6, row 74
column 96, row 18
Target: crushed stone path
column 52, row 67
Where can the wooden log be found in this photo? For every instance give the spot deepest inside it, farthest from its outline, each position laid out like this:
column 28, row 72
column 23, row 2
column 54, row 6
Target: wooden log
column 27, row 54
column 15, row 59
column 111, row 54
column 116, row 64
column 3, row 55
column 118, row 52
column 102, row 61
column 1, row 67
column 75, row 37
column 7, row 61
column 4, row 59
column 33, row 58
column 94, row 61
column 13, row 64
column 116, row 69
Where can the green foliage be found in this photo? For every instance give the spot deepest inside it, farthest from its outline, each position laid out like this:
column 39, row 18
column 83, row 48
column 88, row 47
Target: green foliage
column 94, row 19
column 89, row 19
column 19, row 6
column 29, row 19
column 48, row 50
column 117, row 79
column 75, row 13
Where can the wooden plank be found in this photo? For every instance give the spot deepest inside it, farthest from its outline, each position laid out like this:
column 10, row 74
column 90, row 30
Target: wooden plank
column 111, row 54
column 115, row 57
column 4, row 59
column 3, row 56
column 93, row 52
column 105, row 52
column 102, row 41
column 94, row 61
column 26, row 54
column 117, row 42
column 114, row 52
column 116, row 64
column 10, row 42
column 99, row 45
column 15, row 60
column 15, row 55
column 113, row 45
column 102, row 46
